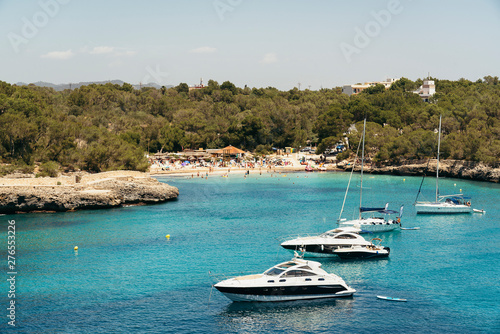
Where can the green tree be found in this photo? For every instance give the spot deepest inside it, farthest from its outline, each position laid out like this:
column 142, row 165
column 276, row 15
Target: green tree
column 404, row 85
column 172, row 139
column 376, row 89
column 182, row 88
column 333, row 123
column 227, row 85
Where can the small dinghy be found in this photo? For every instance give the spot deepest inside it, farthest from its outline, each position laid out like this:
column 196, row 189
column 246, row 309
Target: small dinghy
column 391, row 299
column 478, row 211
column 410, row 228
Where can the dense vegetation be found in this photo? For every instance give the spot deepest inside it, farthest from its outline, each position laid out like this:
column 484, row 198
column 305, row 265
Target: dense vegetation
column 102, row 127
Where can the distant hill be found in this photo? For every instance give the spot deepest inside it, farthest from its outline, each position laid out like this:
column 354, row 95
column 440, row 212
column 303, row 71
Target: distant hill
column 60, row 87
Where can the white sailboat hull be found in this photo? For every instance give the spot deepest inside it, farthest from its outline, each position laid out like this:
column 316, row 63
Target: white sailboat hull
column 443, row 204
column 442, row 208
column 372, row 225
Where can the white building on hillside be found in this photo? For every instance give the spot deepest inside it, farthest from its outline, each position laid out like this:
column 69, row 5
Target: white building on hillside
column 426, row 90
column 358, row 88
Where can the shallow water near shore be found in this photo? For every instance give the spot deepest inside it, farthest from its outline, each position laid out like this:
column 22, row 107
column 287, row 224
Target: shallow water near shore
column 128, row 277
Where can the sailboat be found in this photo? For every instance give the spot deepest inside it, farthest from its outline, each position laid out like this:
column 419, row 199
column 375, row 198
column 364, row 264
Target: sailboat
column 379, row 220
column 457, row 203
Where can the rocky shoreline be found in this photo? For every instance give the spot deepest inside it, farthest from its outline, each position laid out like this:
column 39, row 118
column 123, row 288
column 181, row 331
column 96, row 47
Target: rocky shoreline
column 79, row 191
column 82, row 191
column 447, row 168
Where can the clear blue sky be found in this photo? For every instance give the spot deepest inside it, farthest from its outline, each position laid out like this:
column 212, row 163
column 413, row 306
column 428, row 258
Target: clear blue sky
column 319, row 43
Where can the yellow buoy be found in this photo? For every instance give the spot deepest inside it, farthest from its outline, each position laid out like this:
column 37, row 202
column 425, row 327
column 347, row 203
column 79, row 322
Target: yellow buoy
column 404, row 180
column 167, row 236
column 76, row 248
column 460, row 190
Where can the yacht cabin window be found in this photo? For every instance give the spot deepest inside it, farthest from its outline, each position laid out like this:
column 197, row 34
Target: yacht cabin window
column 298, row 273
column 345, row 236
column 274, row 272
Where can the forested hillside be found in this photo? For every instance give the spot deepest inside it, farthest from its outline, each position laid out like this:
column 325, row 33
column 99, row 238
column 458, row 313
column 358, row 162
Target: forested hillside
column 103, row 127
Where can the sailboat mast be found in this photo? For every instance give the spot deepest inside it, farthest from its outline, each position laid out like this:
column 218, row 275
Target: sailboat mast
column 362, row 164
column 437, row 167
column 350, row 177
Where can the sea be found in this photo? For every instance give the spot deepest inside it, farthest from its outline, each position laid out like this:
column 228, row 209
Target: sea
column 127, row 276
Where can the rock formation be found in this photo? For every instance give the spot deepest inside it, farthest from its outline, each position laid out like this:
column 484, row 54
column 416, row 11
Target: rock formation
column 447, row 168
column 88, row 191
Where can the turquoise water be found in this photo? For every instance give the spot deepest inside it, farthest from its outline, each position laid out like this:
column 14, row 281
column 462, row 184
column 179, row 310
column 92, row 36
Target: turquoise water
column 127, row 277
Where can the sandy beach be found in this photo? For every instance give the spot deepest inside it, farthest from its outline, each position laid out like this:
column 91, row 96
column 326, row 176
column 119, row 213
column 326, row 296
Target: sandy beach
column 293, row 165
column 233, row 170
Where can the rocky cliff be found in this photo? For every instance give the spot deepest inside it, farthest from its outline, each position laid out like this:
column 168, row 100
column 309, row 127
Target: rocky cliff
column 447, row 168
column 76, row 192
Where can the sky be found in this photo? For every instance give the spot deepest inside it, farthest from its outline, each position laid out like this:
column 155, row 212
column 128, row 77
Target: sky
column 284, row 44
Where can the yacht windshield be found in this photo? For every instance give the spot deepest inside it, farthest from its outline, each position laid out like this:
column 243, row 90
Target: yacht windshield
column 345, row 236
column 328, row 234
column 274, row 272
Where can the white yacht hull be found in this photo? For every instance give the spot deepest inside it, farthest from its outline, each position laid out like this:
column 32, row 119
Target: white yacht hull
column 324, row 244
column 313, row 254
column 236, row 297
column 442, row 208
column 363, row 253
column 373, row 225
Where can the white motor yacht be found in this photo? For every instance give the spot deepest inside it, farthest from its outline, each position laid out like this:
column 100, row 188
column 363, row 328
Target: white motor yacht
column 292, row 280
column 325, row 243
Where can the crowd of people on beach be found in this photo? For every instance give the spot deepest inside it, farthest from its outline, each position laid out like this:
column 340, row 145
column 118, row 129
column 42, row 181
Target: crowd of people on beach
column 159, row 165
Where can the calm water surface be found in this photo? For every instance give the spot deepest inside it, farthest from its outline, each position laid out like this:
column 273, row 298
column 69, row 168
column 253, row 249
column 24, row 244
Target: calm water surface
column 127, row 277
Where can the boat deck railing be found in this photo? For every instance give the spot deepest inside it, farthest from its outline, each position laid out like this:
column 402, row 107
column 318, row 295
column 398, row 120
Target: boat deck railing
column 221, row 277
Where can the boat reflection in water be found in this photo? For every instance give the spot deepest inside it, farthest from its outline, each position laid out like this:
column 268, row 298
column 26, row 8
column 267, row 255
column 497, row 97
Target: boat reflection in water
column 302, row 316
